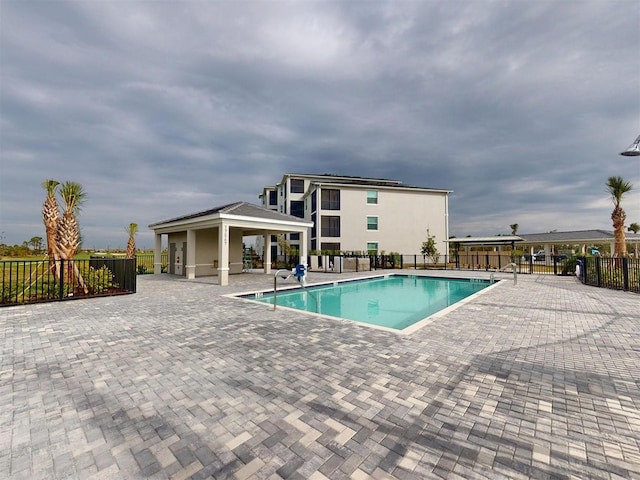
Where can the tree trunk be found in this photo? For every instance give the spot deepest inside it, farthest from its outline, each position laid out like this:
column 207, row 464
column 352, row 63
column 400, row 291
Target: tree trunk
column 620, row 245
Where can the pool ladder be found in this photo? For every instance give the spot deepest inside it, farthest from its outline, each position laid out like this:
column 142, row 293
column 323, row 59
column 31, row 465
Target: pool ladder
column 289, row 274
column 515, row 273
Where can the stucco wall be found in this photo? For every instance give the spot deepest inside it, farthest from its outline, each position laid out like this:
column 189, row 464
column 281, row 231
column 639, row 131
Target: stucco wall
column 206, row 249
column 206, row 252
column 403, row 220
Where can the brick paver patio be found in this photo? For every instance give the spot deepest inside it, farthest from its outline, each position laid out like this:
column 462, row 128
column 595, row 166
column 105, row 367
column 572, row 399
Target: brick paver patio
column 535, row 380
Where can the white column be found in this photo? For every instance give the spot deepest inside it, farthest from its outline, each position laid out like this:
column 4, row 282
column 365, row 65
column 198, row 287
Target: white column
column 303, row 247
column 223, row 254
column 157, row 255
column 190, row 261
column 266, row 258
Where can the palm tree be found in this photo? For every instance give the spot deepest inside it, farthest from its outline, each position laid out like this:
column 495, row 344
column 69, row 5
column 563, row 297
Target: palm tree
column 635, row 228
column 50, row 215
column 68, row 232
column 514, row 228
column 131, row 244
column 617, row 187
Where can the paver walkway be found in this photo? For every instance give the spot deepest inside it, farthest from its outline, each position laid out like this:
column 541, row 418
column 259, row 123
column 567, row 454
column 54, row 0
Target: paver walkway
column 535, row 380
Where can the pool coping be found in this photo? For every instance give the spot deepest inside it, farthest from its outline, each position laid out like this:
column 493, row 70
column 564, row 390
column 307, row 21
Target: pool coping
column 414, row 327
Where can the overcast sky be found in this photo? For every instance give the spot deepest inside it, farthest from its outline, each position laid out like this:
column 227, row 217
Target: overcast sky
column 162, row 108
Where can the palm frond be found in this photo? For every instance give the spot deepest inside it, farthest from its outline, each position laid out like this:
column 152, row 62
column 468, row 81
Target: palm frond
column 73, row 195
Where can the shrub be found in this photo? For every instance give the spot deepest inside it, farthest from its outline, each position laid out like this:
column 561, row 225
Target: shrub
column 99, row 280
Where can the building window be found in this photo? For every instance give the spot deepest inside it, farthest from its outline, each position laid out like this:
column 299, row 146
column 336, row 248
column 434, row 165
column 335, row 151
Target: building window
column 372, row 223
column 330, row 247
column 314, row 204
column 274, row 238
column 297, row 208
column 330, row 226
column 372, row 248
column 313, row 228
column 294, row 236
column 313, row 244
column 330, row 199
column 273, row 197
column 372, row 197
column 297, row 186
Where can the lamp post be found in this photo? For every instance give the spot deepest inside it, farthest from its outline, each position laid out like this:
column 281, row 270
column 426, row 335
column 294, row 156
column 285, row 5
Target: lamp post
column 633, row 150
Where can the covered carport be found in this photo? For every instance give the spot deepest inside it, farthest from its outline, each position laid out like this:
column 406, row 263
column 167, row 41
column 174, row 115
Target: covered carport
column 484, row 259
column 578, row 241
column 211, row 242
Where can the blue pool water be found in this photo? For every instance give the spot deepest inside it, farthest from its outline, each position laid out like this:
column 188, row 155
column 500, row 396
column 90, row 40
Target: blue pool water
column 396, row 301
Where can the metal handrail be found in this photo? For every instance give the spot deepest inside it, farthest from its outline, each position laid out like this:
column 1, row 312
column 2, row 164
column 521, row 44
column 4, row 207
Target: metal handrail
column 275, row 285
column 515, row 272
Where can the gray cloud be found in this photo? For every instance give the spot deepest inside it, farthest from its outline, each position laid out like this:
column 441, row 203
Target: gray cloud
column 164, row 108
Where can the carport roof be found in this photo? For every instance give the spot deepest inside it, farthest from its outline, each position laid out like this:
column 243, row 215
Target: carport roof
column 496, row 240
column 579, row 236
column 572, row 237
column 241, row 209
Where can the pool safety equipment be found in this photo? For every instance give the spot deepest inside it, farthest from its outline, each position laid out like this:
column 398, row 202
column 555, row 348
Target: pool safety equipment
column 298, row 272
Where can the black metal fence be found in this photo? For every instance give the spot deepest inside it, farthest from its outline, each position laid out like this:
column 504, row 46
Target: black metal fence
column 555, row 265
column 614, row 273
column 145, row 263
column 489, row 261
column 33, row 281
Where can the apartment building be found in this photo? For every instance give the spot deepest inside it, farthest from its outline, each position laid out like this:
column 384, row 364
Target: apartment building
column 360, row 214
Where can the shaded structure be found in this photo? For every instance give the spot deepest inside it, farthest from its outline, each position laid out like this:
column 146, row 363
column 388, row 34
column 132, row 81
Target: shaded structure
column 211, row 242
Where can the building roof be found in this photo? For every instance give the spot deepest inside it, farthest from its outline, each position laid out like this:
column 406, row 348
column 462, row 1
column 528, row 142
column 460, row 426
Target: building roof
column 241, row 209
column 399, row 186
column 332, row 178
column 348, row 180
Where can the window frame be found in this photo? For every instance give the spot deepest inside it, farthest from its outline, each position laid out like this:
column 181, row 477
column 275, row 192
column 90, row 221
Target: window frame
column 370, row 224
column 332, row 230
column 331, row 203
column 297, row 188
column 299, row 208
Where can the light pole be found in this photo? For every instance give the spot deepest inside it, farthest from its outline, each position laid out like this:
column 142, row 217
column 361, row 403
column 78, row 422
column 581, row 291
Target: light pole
column 633, row 150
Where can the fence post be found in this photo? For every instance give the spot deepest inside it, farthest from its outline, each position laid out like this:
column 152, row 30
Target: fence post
column 61, row 281
column 598, row 280
column 625, row 273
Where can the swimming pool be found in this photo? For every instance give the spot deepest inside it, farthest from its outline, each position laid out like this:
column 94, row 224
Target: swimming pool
column 392, row 301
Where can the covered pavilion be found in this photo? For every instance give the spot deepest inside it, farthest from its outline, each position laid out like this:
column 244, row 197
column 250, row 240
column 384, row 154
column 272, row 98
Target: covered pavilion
column 211, row 242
